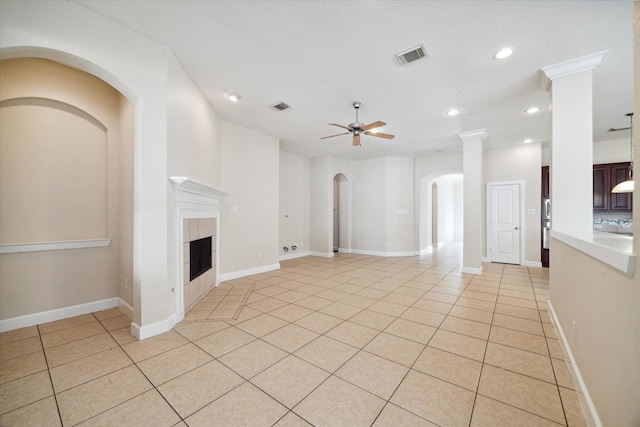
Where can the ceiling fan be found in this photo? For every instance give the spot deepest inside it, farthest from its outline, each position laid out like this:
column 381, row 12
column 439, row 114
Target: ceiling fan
column 356, row 128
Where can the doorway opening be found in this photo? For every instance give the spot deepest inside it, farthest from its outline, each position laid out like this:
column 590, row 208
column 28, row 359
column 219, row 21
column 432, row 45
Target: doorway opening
column 440, row 210
column 340, row 213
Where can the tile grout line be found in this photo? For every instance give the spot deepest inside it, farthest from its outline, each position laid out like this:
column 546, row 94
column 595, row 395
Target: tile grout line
column 53, row 390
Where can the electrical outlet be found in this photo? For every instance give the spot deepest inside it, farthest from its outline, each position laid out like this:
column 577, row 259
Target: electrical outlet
column 126, row 283
column 259, row 256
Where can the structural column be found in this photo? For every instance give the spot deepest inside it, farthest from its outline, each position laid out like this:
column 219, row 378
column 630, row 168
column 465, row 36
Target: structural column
column 570, row 85
column 473, row 196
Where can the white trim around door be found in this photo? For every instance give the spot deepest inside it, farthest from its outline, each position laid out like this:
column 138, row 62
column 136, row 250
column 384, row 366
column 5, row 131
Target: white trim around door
column 518, row 222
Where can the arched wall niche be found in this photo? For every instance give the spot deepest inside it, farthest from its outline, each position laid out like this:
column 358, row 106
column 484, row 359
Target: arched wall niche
column 72, row 61
column 125, row 283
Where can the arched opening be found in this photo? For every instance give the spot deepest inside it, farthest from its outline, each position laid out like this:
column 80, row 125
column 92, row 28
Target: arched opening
column 440, row 213
column 434, row 213
column 340, row 213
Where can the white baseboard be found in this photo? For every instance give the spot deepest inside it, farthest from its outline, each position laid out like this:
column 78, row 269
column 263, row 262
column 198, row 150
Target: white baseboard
column 525, row 263
column 63, row 313
column 532, row 264
column 586, row 403
column 427, row 250
column 323, row 254
column 294, row 255
column 147, row 331
column 383, row 254
column 472, row 270
column 125, row 307
column 249, row 272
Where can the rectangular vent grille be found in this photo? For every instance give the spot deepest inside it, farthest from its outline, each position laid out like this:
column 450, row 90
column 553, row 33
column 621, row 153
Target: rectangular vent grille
column 412, row 54
column 280, row 106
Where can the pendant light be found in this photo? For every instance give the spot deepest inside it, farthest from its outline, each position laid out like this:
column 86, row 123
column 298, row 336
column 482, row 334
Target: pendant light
column 627, row 186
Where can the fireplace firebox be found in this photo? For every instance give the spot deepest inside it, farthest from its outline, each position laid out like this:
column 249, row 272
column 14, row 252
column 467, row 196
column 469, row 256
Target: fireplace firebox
column 200, row 256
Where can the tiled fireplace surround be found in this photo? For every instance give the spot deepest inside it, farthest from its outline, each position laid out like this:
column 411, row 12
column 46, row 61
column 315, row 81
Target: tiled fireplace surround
column 197, row 216
column 194, row 229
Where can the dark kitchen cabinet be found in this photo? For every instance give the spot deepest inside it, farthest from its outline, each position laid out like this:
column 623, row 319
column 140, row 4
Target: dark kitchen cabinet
column 605, row 177
column 620, row 201
column 601, row 187
column 545, row 182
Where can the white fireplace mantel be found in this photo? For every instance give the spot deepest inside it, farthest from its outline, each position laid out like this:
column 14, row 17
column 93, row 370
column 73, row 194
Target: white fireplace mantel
column 190, row 191
column 192, row 199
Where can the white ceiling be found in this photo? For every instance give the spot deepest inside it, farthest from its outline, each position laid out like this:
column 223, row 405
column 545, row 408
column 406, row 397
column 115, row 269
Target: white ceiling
column 320, row 56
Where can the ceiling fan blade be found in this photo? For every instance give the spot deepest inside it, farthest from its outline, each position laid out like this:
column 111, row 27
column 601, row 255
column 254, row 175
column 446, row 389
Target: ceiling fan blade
column 341, row 126
column 373, row 125
column 380, row 135
column 356, row 140
column 337, row 134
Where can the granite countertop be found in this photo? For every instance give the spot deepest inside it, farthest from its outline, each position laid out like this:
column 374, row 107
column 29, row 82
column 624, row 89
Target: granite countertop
column 615, row 226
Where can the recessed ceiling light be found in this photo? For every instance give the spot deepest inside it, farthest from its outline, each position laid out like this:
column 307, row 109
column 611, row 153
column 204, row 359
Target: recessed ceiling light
column 503, row 53
column 532, row 110
column 528, row 141
column 233, row 97
column 452, row 112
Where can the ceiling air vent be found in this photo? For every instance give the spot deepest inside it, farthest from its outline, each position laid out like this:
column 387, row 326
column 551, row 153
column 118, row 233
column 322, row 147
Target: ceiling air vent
column 280, row 106
column 412, row 54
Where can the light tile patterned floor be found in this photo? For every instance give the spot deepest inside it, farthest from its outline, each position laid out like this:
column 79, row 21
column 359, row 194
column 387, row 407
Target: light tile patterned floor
column 347, row 341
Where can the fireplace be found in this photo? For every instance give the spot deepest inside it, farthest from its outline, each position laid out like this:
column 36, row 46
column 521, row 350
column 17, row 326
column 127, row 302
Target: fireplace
column 199, row 257
column 197, row 218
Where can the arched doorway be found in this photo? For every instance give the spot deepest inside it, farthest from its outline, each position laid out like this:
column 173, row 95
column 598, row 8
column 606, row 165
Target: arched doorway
column 340, row 213
column 440, row 210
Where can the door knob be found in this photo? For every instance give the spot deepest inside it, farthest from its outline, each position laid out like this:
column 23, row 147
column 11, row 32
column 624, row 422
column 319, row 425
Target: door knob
column 517, row 228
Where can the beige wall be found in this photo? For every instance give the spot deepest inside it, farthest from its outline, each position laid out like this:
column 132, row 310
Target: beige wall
column 520, row 163
column 401, row 236
column 61, row 181
column 294, row 215
column 249, row 236
column 605, row 306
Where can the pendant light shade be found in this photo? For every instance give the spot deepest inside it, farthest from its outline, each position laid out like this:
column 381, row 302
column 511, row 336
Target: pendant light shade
column 627, row 186
column 624, row 187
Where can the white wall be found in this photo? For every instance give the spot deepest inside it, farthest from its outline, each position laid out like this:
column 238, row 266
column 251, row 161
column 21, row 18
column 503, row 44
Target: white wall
column 458, row 210
column 399, row 203
column 249, row 236
column 614, row 151
column 611, row 151
column 295, row 203
column 193, row 130
column 520, row 163
column 368, row 185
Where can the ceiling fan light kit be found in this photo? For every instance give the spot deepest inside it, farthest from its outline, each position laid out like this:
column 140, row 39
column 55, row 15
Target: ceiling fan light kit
column 356, row 128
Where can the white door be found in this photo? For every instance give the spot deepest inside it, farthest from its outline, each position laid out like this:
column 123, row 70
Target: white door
column 505, row 223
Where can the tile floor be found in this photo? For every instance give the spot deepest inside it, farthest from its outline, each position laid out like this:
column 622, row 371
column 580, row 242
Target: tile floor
column 348, row 341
